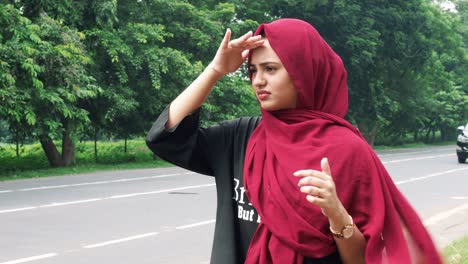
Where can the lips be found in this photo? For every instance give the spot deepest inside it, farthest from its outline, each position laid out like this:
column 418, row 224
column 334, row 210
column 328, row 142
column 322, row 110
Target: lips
column 263, row 95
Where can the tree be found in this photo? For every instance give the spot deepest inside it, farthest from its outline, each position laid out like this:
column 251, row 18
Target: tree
column 46, row 77
column 385, row 47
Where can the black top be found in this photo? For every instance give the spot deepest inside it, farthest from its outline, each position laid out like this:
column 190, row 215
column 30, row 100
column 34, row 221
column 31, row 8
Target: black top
column 217, row 151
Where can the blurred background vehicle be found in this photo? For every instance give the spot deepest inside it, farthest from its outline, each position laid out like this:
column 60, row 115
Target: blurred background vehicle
column 462, row 143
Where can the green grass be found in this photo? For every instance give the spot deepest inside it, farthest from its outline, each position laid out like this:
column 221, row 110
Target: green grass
column 13, row 175
column 32, row 162
column 414, row 145
column 457, row 252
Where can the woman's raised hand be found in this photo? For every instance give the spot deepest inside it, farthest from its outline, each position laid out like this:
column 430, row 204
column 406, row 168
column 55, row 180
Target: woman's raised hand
column 232, row 53
column 320, row 189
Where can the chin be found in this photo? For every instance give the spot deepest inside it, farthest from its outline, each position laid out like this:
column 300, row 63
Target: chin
column 273, row 107
column 265, row 106
column 270, row 108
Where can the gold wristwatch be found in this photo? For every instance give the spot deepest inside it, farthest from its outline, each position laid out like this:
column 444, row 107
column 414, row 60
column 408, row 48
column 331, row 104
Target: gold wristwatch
column 346, row 232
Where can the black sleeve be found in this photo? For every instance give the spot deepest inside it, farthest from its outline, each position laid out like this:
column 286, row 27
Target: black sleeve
column 187, row 145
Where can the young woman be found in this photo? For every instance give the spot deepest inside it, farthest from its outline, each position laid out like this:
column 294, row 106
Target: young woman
column 279, row 199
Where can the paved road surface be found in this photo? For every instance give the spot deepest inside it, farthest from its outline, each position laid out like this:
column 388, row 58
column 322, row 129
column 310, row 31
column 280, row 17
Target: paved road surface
column 167, row 215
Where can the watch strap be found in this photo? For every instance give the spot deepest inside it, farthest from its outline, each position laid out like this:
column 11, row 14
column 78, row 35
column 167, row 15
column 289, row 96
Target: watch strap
column 340, row 234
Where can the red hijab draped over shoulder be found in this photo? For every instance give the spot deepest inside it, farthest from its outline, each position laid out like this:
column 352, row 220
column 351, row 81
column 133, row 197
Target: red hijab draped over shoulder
column 289, row 140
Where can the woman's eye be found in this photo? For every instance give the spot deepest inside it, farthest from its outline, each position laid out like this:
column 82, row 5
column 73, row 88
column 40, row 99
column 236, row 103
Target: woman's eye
column 270, row 69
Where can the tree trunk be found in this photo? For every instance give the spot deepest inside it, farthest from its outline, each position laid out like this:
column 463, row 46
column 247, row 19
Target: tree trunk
column 52, row 154
column 416, row 136
column 125, row 145
column 428, row 133
column 18, row 138
column 368, row 134
column 364, row 131
column 442, row 134
column 95, row 146
column 373, row 134
column 17, row 148
column 68, row 147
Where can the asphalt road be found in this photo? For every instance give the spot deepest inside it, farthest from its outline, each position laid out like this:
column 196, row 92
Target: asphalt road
column 167, row 215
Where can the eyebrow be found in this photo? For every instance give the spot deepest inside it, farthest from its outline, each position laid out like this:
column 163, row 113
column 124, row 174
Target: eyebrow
column 264, row 63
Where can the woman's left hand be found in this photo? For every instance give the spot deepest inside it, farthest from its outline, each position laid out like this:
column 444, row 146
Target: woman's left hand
column 320, row 189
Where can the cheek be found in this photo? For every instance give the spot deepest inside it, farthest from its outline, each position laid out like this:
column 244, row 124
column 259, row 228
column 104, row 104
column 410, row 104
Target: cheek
column 292, row 95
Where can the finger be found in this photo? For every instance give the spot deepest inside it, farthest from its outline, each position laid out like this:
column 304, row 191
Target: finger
column 226, row 38
column 316, row 200
column 325, row 166
column 246, row 36
column 312, row 173
column 255, row 44
column 304, row 173
column 311, row 190
column 312, row 181
column 245, row 54
column 239, row 42
column 253, row 39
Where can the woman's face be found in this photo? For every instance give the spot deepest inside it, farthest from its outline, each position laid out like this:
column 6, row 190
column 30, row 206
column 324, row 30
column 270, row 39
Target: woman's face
column 270, row 80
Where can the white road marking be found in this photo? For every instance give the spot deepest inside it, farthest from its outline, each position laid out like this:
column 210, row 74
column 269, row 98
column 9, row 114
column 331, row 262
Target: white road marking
column 428, row 176
column 196, row 224
column 18, row 209
column 107, row 198
column 23, row 260
column 161, row 191
column 412, row 152
column 459, row 197
column 43, row 188
column 419, row 158
column 444, row 215
column 106, row 243
column 120, row 240
column 95, row 183
column 68, row 203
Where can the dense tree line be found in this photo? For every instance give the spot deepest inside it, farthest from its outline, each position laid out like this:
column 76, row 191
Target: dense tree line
column 88, row 69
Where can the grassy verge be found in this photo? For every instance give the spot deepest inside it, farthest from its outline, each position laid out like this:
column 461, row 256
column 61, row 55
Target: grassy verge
column 47, row 172
column 32, row 163
column 415, row 145
column 457, row 252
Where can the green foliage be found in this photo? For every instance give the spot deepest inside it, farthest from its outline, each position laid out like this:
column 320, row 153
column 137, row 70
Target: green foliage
column 388, row 49
column 105, row 69
column 457, row 252
column 231, row 98
column 32, row 155
column 113, row 152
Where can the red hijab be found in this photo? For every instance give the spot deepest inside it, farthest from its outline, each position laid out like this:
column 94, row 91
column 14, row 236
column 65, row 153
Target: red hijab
column 285, row 141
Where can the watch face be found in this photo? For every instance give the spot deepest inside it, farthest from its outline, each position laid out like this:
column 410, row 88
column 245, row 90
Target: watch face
column 348, row 231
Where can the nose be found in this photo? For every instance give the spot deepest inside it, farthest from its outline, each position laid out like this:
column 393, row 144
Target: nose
column 257, row 80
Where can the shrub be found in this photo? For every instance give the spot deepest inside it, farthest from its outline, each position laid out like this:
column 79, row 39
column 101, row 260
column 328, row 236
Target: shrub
column 33, row 156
